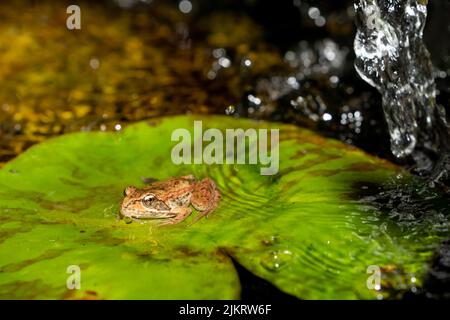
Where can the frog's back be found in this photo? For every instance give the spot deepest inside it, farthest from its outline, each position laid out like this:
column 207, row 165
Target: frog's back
column 170, row 185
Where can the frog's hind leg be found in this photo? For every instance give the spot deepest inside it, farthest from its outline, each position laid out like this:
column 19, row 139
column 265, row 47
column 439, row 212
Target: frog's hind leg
column 182, row 214
column 205, row 198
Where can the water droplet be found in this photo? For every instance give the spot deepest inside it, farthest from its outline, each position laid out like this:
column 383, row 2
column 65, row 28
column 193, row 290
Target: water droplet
column 94, row 63
column 274, row 260
column 230, row 109
column 320, row 21
column 270, row 240
column 313, row 13
column 247, row 62
column 334, row 80
column 219, row 52
column 211, row 75
column 127, row 220
column 224, row 62
column 185, row 6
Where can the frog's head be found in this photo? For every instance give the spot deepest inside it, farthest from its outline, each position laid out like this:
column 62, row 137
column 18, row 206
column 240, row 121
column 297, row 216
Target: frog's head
column 143, row 204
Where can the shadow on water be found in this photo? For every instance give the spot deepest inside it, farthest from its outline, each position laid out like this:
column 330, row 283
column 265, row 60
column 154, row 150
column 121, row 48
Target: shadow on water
column 254, row 288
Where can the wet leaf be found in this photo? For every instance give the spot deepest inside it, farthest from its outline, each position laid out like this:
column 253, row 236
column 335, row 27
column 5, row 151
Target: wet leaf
column 304, row 229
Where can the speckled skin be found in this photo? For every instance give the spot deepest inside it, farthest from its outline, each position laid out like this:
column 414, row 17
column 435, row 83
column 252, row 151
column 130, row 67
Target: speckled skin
column 170, row 200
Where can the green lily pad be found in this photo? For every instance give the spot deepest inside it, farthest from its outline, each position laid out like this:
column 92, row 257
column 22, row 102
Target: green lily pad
column 301, row 229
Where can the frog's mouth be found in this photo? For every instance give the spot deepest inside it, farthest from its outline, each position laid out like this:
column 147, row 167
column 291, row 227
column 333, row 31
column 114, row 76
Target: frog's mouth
column 147, row 214
column 147, row 208
column 156, row 214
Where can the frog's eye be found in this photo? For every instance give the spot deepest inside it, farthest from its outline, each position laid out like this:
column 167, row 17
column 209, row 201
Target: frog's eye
column 148, row 200
column 149, row 197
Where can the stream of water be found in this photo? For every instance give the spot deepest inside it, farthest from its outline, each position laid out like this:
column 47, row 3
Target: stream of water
column 391, row 56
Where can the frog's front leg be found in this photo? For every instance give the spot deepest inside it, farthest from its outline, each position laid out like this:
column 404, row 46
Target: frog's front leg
column 205, row 198
column 181, row 214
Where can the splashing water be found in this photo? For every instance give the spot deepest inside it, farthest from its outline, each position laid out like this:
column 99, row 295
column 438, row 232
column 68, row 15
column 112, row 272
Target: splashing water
column 391, row 56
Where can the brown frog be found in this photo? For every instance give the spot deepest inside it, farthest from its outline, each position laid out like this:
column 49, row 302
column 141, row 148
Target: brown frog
column 170, row 199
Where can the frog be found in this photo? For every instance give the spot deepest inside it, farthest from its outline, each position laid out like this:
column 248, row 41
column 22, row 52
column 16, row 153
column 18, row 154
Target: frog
column 169, row 201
